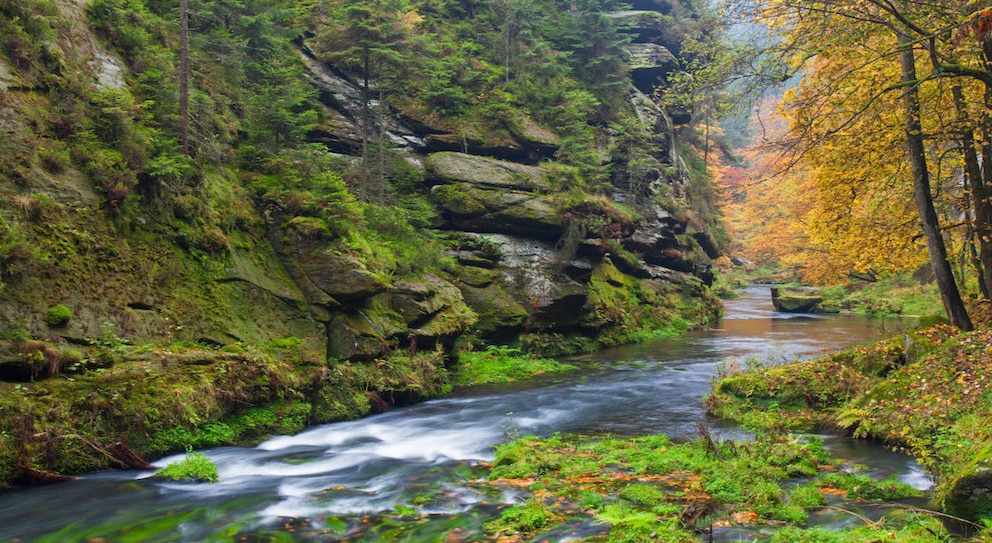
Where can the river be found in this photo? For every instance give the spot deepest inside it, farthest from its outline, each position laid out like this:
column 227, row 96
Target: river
column 348, row 480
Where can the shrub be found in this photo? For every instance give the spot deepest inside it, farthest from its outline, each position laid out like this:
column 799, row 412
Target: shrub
column 58, row 315
column 195, row 467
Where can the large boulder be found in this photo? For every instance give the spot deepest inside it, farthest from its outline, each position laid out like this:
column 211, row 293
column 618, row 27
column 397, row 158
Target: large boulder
column 485, row 172
column 650, row 56
column 650, row 64
column 430, row 306
column 474, row 208
column 970, row 495
column 417, row 312
column 796, row 299
column 341, row 276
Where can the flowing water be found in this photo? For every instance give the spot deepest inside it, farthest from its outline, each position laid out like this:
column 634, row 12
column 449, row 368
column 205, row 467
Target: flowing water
column 351, row 479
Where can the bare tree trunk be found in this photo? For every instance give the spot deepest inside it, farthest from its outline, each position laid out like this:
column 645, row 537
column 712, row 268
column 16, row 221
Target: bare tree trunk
column 949, row 293
column 979, row 192
column 184, row 76
column 381, row 118
column 366, row 121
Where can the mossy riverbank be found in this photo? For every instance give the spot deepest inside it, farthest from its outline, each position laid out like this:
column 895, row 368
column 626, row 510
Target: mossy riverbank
column 926, row 392
column 118, row 404
column 652, row 489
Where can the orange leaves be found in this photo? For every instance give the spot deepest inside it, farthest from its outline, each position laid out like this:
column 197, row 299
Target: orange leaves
column 982, row 24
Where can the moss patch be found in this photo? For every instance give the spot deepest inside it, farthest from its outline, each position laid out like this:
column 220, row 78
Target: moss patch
column 502, row 365
column 936, row 406
column 649, row 488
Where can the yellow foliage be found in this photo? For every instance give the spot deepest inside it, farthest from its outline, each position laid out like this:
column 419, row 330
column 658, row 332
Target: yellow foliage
column 836, row 194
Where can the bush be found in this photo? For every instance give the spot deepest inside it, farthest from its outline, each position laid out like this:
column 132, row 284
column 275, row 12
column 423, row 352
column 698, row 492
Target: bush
column 58, row 315
column 195, row 467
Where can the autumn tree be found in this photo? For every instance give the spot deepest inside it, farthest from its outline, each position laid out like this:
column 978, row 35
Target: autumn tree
column 861, row 61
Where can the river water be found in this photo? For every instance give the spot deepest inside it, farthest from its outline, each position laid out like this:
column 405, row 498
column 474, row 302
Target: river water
column 347, row 481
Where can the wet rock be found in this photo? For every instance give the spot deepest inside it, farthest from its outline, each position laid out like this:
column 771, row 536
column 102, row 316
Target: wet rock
column 970, row 497
column 362, row 334
column 419, row 301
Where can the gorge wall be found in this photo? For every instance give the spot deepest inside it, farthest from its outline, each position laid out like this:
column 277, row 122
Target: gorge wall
column 325, row 250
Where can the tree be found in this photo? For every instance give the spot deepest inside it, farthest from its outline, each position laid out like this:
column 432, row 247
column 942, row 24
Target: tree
column 850, row 49
column 921, row 187
column 184, row 76
column 369, row 38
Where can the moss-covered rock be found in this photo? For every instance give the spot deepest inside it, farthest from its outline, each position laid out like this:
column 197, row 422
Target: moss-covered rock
column 341, row 276
column 486, row 172
column 476, row 209
column 796, row 299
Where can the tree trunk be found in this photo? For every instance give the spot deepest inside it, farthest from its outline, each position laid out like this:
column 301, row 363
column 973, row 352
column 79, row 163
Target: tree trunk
column 979, row 191
column 366, row 121
column 949, row 293
column 184, row 76
column 381, row 121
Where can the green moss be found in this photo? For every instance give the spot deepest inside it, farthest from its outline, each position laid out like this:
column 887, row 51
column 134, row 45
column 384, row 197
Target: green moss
column 800, row 396
column 458, row 200
column 863, row 487
column 502, row 365
column 648, row 486
column 195, row 467
column 58, row 315
column 527, row 519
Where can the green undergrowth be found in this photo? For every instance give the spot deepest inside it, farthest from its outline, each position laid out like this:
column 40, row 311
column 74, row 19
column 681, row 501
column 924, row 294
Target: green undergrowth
column 927, row 393
column 194, row 467
column 502, row 365
column 900, row 295
column 652, row 489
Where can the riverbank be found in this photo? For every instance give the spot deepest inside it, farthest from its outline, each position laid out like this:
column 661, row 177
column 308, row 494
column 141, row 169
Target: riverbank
column 653, row 489
column 119, row 404
column 928, row 392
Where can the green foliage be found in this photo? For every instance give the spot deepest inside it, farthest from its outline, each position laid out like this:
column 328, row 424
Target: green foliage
column 502, row 365
column 195, row 467
column 897, row 528
column 58, row 315
column 930, row 400
column 897, row 295
column 863, row 487
column 646, row 488
column 527, row 518
column 799, row 396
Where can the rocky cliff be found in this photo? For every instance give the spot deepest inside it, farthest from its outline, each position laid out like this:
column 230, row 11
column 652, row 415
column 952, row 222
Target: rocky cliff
column 146, row 295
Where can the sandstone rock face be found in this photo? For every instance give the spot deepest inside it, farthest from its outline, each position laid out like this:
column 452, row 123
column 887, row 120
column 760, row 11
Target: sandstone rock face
column 476, row 209
column 650, row 56
column 796, row 299
column 484, row 171
column 524, row 257
column 341, row 277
